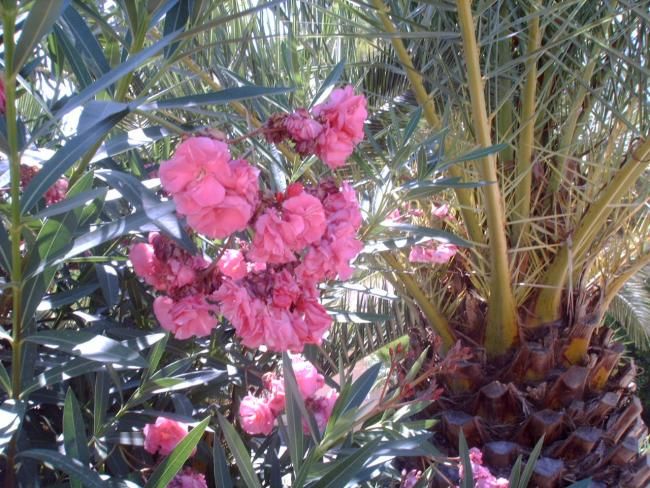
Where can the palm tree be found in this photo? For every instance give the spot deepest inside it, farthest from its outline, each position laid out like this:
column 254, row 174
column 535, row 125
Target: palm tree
column 553, row 98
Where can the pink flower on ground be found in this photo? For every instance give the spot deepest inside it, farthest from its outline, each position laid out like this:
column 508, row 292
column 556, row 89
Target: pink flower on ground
column 256, row 416
column 439, row 253
column 187, row 317
column 56, row 192
column 188, row 478
column 163, row 436
column 307, row 376
column 275, row 392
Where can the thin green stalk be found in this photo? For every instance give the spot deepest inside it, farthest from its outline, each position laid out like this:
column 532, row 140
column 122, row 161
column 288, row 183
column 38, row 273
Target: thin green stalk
column 524, row 168
column 465, row 196
column 547, row 308
column 502, row 326
column 9, row 18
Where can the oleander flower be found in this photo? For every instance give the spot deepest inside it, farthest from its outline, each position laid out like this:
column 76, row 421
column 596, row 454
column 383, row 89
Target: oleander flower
column 437, row 253
column 307, row 376
column 255, row 415
column 163, row 435
column 190, row 316
column 188, row 478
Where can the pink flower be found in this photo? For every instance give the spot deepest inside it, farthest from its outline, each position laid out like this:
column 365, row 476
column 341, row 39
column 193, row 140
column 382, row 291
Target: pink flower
column 255, row 416
column 301, row 126
column 232, row 264
column 163, row 436
column 305, row 214
column 281, row 331
column 441, row 212
column 334, row 148
column 188, row 478
column 285, row 289
column 307, row 376
column 273, row 241
column 145, row 264
column 218, row 196
column 316, row 319
column 345, row 112
column 56, row 192
column 241, row 310
column 483, row 478
column 439, row 253
column 187, row 317
column 321, row 406
column 275, row 392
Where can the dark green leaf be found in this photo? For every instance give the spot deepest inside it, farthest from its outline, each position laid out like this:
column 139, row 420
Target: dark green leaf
column 72, row 467
column 412, row 125
column 5, row 249
column 239, row 452
column 468, row 475
column 72, row 202
column 78, row 65
column 330, row 81
column 109, row 283
column 360, row 388
column 74, row 432
column 41, row 18
column 89, row 346
column 5, row 381
column 125, row 141
column 343, row 470
column 530, row 464
column 85, row 42
column 65, row 158
column 222, row 477
column 176, row 19
column 57, row 300
column 11, row 417
column 100, row 404
column 226, row 95
column 293, row 391
column 172, row 464
column 515, row 473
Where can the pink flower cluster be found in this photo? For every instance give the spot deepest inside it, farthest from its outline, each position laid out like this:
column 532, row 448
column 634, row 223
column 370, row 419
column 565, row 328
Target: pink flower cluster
column 188, row 478
column 218, row 195
column 186, row 310
column 163, row 436
column 56, row 192
column 330, row 131
column 267, row 288
column 257, row 414
column 482, row 476
column 433, row 252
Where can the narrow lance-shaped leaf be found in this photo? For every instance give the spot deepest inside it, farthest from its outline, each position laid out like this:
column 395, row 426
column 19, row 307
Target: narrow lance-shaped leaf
column 227, row 95
column 72, row 467
column 74, row 433
column 172, row 464
column 240, row 453
column 41, row 18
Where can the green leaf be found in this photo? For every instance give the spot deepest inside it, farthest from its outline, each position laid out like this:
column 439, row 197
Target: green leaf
column 175, row 19
column 172, row 464
column 330, row 81
column 65, row 158
column 79, row 366
column 343, row 470
column 530, row 464
column 11, row 417
column 412, row 125
column 295, row 435
column 89, row 346
column 372, row 247
column 78, row 65
column 222, row 477
column 85, row 42
column 439, row 235
column 41, row 18
column 515, row 473
column 72, row 467
column 5, row 249
column 109, row 283
column 360, row 388
column 468, row 475
column 125, row 141
column 239, row 452
column 293, row 391
column 58, row 300
column 5, row 381
column 100, row 404
column 74, row 432
column 144, row 56
column 72, row 203
column 226, row 95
